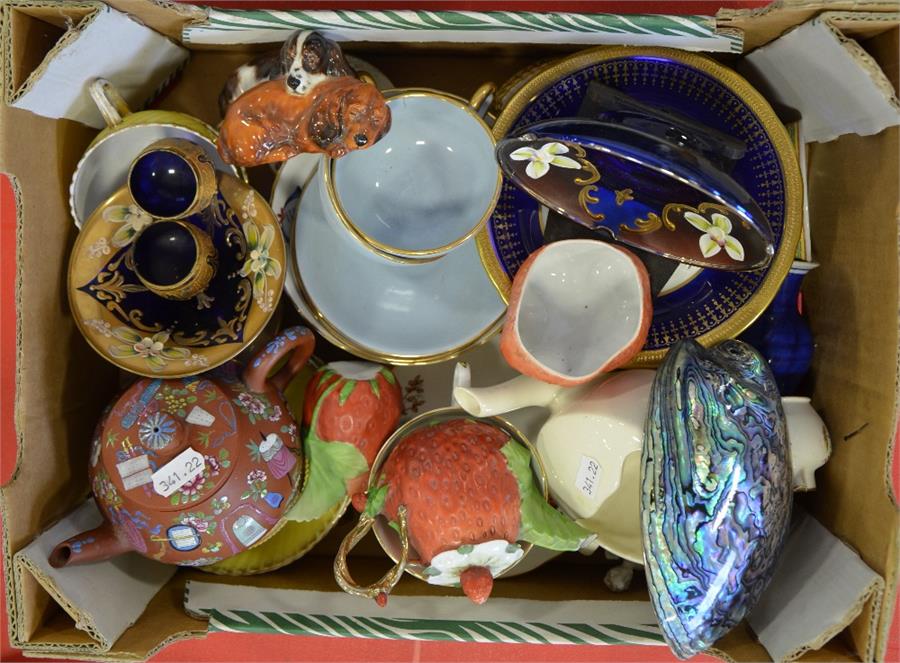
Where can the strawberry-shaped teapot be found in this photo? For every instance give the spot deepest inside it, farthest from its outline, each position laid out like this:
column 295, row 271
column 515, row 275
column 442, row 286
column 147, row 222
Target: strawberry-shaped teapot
column 194, row 470
column 350, row 409
column 454, row 501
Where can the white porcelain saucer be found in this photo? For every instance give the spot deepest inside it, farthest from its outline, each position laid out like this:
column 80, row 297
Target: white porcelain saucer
column 387, row 311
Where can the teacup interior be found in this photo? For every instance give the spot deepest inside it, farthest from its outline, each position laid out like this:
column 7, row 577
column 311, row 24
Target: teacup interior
column 427, row 183
column 581, row 305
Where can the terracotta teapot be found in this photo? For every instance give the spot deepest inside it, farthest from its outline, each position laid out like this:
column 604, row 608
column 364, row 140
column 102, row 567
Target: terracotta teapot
column 191, row 471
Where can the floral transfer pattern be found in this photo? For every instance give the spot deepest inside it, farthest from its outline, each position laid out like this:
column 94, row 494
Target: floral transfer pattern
column 177, row 400
column 256, row 480
column 540, row 160
column 259, row 265
column 199, row 486
column 257, row 407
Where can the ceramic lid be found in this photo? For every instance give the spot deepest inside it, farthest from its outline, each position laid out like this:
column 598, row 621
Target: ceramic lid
column 715, row 490
column 642, row 190
column 163, row 425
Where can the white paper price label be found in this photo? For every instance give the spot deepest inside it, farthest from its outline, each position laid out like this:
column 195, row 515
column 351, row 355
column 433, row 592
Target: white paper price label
column 588, row 474
column 185, row 467
column 200, row 417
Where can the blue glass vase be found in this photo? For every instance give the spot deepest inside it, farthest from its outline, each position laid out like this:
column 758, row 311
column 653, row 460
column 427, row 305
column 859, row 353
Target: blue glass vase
column 782, row 334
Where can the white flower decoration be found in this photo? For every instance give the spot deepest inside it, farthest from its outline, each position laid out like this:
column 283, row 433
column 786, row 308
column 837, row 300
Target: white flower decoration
column 541, row 160
column 716, row 235
column 153, row 349
column 259, row 265
column 133, row 220
column 248, row 207
column 496, row 556
column 100, row 326
column 196, row 360
column 99, row 248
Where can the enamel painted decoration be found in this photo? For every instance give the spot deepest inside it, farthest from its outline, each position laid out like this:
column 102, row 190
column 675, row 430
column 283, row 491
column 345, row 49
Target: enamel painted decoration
column 716, row 490
column 180, row 269
column 461, row 495
column 309, row 100
column 350, row 409
column 578, row 308
column 195, row 470
column 641, row 190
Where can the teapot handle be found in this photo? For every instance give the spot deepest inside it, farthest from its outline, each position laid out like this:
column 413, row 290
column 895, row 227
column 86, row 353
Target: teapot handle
column 379, row 590
column 300, row 340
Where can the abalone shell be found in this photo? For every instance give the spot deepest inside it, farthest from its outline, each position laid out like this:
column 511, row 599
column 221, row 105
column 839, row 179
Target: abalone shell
column 716, row 489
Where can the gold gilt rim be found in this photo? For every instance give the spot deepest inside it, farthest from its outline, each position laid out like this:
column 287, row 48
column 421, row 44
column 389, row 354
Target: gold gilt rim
column 231, row 567
column 414, row 255
column 79, row 302
column 336, row 337
column 781, row 262
column 192, row 154
column 500, row 422
column 200, row 265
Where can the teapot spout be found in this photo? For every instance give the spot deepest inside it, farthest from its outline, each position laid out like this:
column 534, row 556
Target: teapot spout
column 94, row 545
column 514, row 394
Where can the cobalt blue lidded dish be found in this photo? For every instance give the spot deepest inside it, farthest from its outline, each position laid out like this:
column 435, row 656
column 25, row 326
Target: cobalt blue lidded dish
column 640, row 189
column 709, row 305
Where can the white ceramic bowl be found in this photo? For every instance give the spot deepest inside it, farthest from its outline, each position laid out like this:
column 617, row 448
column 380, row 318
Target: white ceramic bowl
column 387, row 311
column 426, row 187
column 578, row 308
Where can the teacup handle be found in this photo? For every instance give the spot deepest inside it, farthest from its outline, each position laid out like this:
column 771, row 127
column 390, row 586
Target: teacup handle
column 109, row 102
column 379, row 590
column 481, row 99
column 300, row 340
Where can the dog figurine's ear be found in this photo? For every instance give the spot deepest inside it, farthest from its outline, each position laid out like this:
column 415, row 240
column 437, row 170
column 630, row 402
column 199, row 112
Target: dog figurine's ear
column 326, row 126
column 289, row 50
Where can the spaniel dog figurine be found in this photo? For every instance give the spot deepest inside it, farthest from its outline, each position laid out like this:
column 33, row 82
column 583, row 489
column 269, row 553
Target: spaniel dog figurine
column 308, row 100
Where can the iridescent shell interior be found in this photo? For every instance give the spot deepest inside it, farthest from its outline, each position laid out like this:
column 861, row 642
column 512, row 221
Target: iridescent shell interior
column 716, row 490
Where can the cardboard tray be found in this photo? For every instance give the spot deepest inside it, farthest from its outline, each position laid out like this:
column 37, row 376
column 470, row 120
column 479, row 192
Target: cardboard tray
column 62, row 385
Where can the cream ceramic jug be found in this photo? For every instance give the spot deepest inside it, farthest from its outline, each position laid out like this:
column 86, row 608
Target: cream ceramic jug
column 591, row 444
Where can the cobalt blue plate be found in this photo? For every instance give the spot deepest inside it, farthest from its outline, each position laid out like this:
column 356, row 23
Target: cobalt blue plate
column 713, row 305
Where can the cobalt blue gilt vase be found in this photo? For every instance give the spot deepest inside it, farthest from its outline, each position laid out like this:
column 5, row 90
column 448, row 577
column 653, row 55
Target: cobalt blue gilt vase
column 715, row 490
column 782, row 334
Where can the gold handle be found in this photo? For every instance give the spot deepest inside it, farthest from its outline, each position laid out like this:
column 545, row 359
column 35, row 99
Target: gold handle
column 481, row 95
column 109, row 102
column 379, row 590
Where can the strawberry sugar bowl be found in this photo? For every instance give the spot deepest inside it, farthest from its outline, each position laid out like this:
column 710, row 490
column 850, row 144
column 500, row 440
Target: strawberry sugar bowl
column 457, row 501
